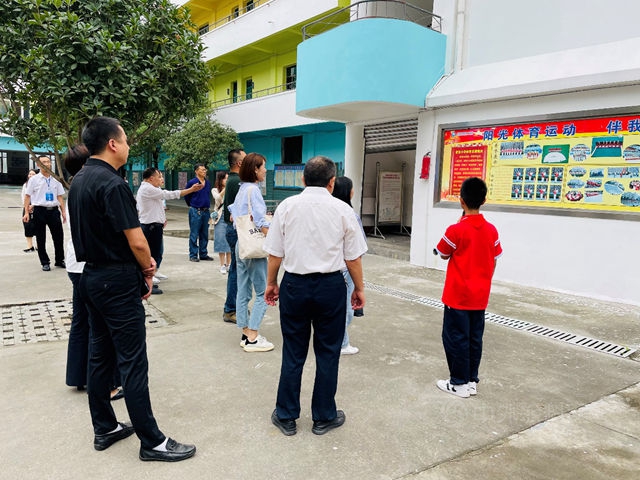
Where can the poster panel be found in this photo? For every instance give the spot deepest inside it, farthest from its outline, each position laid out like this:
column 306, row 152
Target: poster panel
column 390, row 197
column 587, row 164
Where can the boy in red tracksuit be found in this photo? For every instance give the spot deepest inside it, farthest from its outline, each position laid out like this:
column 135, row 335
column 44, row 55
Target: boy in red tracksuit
column 472, row 247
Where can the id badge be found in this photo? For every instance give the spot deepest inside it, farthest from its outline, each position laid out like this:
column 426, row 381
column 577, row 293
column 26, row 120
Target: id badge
column 48, row 196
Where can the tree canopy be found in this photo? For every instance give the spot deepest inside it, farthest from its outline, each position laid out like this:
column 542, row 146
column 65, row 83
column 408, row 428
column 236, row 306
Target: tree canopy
column 67, row 61
column 200, row 140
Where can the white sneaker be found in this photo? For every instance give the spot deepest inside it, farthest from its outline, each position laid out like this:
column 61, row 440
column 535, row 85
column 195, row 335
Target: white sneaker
column 156, row 281
column 349, row 350
column 461, row 391
column 160, row 276
column 223, row 269
column 260, row 344
column 473, row 388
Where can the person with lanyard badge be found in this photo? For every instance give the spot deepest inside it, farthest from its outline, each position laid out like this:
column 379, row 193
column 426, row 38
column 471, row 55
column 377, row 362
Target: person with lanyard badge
column 45, row 194
column 199, row 204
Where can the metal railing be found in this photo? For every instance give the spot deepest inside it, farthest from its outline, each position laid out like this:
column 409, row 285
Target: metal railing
column 395, row 9
column 255, row 94
column 234, row 15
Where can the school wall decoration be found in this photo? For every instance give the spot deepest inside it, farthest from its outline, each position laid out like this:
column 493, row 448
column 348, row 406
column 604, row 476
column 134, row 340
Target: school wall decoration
column 587, row 164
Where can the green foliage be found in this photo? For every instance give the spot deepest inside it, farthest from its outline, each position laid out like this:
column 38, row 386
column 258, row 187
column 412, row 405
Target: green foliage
column 201, row 140
column 70, row 60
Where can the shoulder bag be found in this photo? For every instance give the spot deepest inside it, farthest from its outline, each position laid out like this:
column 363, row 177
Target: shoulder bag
column 250, row 237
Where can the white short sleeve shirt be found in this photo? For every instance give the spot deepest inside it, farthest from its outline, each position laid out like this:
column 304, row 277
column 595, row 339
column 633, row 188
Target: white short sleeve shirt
column 313, row 232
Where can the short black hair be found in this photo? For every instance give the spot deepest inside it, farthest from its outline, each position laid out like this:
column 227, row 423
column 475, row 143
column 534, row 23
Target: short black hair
column 198, row 165
column 75, row 158
column 342, row 189
column 318, row 171
column 474, row 192
column 233, row 156
column 149, row 172
column 97, row 133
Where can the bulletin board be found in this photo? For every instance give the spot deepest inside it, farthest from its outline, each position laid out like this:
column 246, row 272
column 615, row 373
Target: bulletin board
column 590, row 164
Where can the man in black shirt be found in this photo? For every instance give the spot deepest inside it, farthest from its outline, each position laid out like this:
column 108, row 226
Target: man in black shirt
column 106, row 234
column 235, row 158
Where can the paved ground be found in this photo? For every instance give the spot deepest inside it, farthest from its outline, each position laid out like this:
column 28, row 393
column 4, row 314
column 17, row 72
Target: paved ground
column 545, row 408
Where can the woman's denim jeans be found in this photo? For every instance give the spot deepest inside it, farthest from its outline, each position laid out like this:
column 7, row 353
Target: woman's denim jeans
column 350, row 288
column 252, row 275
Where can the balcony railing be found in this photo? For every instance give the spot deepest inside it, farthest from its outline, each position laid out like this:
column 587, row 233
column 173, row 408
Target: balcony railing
column 395, row 9
column 255, row 94
column 234, row 15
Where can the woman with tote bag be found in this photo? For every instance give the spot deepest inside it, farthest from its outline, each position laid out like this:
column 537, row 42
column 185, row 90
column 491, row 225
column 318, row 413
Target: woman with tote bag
column 249, row 213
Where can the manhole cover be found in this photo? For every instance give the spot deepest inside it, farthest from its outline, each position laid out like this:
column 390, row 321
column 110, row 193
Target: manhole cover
column 50, row 321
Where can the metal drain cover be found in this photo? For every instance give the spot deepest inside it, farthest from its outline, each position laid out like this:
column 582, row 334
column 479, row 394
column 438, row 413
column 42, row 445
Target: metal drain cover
column 50, row 321
column 579, row 340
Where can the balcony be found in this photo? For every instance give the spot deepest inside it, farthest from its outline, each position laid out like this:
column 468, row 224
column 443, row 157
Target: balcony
column 248, row 115
column 265, row 19
column 372, row 60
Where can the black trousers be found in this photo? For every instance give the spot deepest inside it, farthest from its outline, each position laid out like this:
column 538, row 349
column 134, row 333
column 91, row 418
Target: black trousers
column 118, row 338
column 78, row 346
column 44, row 217
column 462, row 332
column 153, row 233
column 306, row 301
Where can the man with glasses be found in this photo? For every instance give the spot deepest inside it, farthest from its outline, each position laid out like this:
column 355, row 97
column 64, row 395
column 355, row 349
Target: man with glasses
column 199, row 203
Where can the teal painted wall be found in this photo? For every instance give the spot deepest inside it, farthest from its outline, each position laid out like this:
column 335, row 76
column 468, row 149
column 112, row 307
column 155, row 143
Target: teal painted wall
column 387, row 60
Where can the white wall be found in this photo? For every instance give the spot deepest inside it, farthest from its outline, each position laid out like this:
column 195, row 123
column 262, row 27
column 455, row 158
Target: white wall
column 597, row 257
column 497, row 30
column 251, row 115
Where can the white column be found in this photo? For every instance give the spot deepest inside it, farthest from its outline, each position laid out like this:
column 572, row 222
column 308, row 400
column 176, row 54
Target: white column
column 354, row 161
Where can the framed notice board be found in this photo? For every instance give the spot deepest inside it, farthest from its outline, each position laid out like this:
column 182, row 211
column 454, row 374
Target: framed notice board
column 588, row 164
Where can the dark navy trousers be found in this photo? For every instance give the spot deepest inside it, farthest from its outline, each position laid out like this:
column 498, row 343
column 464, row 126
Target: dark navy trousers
column 462, row 332
column 318, row 302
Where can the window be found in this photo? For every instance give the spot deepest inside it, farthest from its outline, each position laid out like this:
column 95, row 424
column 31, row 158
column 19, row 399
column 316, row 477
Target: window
column 292, row 149
column 249, row 89
column 235, row 12
column 203, row 29
column 234, row 92
column 249, row 5
column 290, row 77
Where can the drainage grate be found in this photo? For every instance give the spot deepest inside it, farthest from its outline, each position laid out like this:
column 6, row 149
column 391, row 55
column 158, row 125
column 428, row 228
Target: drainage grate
column 49, row 321
column 579, row 340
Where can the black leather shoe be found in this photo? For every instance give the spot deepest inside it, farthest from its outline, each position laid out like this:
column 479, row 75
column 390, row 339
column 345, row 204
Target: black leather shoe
column 287, row 427
column 118, row 395
column 60, row 264
column 320, row 427
column 102, row 442
column 156, row 290
column 175, row 452
column 207, row 258
column 46, row 267
column 193, row 259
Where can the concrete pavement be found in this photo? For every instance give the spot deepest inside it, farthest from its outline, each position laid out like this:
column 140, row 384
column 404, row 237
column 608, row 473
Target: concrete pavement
column 545, row 408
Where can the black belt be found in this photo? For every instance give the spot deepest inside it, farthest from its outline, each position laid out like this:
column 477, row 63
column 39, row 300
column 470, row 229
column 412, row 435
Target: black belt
column 200, row 209
column 314, row 275
column 46, row 208
column 152, row 224
column 127, row 267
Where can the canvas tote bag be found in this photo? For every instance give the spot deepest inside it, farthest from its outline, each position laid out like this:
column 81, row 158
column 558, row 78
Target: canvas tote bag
column 250, row 237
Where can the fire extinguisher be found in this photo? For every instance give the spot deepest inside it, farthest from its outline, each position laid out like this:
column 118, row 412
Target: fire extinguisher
column 426, row 163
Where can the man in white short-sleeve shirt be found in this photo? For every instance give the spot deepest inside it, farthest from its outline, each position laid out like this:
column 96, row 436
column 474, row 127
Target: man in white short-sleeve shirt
column 45, row 193
column 313, row 235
